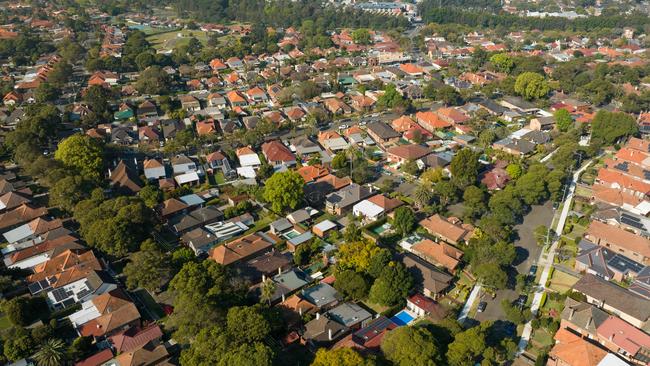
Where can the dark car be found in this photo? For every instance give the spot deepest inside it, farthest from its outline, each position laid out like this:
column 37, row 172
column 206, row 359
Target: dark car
column 481, row 306
column 521, row 301
column 533, row 270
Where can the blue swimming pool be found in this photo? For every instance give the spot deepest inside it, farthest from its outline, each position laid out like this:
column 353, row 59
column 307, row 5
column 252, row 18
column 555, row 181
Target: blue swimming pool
column 402, row 318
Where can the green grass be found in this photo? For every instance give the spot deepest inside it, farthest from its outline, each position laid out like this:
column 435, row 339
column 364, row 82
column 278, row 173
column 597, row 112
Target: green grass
column 542, row 338
column 4, row 323
column 171, row 39
column 219, row 178
column 562, row 282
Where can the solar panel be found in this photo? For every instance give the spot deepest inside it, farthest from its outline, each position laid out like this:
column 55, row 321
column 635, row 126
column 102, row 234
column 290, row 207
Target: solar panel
column 34, row 288
column 60, row 294
column 633, row 223
column 621, row 167
column 83, row 293
column 627, row 215
column 646, row 174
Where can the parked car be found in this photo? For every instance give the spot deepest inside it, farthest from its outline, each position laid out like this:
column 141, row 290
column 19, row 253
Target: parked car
column 521, row 301
column 481, row 306
column 533, row 270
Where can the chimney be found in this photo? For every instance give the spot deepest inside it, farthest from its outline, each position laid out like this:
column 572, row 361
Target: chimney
column 263, row 278
column 300, row 311
column 279, row 270
column 329, row 334
column 317, row 316
column 573, row 310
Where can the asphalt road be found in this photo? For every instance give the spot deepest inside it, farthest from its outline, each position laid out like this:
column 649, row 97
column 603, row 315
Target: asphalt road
column 527, row 254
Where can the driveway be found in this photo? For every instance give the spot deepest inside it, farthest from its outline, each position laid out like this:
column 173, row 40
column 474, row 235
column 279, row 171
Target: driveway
column 527, row 254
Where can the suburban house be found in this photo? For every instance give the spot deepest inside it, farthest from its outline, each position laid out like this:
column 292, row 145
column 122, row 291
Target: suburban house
column 422, row 306
column 404, row 153
column 440, row 254
column 242, row 248
column 428, row 280
column 630, row 307
column 542, row 123
column 154, row 169
column 124, row 178
column 382, row 133
column 341, row 201
column 106, row 315
column 620, row 241
column 431, row 122
column 368, row 338
column 451, row 229
column 193, row 219
column 277, row 154
column 247, row 157
column 181, row 164
column 571, row 350
column 605, row 263
column 332, row 141
column 189, row 103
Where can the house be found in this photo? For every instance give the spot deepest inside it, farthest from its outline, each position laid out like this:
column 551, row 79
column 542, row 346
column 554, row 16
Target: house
column 181, row 164
column 403, row 124
column 302, row 238
column 199, row 217
column 256, row 95
column 217, row 100
column 367, row 211
column 582, row 318
column 452, row 115
column 170, row 127
column 350, row 315
column 147, row 109
column 387, row 204
column 332, row 141
column 154, row 169
column 123, row 178
column 369, row 337
column 605, row 263
column 277, row 154
column 323, row 228
column 440, row 254
column 302, row 215
column 280, row 225
column 135, row 337
column 451, row 229
column 382, row 133
column 615, row 299
column 341, row 201
column 236, row 99
column 11, row 200
column 641, row 284
column 218, row 161
column 172, row 207
column 150, row 134
column 106, row 315
column 428, row 280
column 323, row 331
column 431, row 122
column 311, row 173
column 322, row 296
column 624, row 339
column 247, row 157
column 242, row 248
column 573, row 350
column 206, row 127
column 256, row 270
column 620, row 241
column 495, row 179
column 518, row 104
column 519, row 147
column 33, row 229
column 542, row 123
column 422, row 306
column 402, row 154
column 69, row 277
column 189, row 103
column 32, row 256
column 20, row 215
column 147, row 355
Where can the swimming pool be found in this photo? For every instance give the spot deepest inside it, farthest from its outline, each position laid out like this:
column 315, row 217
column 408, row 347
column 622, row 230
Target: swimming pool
column 380, row 229
column 291, row 234
column 404, row 317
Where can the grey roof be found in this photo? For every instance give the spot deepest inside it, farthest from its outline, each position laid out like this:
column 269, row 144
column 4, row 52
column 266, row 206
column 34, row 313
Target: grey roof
column 192, row 199
column 19, row 233
column 266, row 264
column 523, row 146
column 281, row 224
column 317, row 330
column 615, row 296
column 297, row 240
column 383, row 130
column 290, row 281
column 304, row 146
column 585, row 316
column 641, row 284
column 603, row 261
column 349, row 195
column 299, row 216
column 321, row 295
column 181, row 159
column 200, row 216
column 349, row 314
column 537, row 137
column 426, row 275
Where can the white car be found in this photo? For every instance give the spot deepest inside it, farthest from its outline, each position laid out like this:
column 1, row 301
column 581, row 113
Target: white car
column 343, row 127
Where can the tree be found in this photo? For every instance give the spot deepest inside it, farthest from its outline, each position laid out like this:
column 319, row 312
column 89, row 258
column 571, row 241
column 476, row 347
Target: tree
column 403, row 220
column 392, row 99
column 69, row 191
column 410, row 167
column 378, row 262
column 422, row 195
column 23, row 311
column 446, row 191
column 98, row 100
column 339, row 161
column 356, row 255
column 531, row 187
column 432, row 175
column 267, row 290
column 406, row 346
column 82, row 153
column 352, row 284
column 491, row 275
column 339, row 357
column 361, row 36
column 563, row 120
column 475, row 201
column 610, row 126
column 464, row 168
column 151, row 195
column 153, row 80
column 450, row 96
column 114, row 226
column 514, row 171
column 467, row 346
column 149, row 268
column 392, row 286
column 51, row 353
column 214, row 346
column 144, row 60
column 17, row 344
column 246, row 324
column 80, row 348
column 531, row 85
column 502, row 62
column 46, row 92
column 284, row 190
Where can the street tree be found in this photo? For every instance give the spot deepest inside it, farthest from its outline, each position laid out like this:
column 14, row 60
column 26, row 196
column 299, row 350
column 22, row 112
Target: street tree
column 531, row 85
column 284, row 190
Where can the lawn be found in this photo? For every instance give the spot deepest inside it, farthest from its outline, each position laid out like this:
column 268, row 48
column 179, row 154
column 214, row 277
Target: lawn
column 561, row 281
column 219, row 178
column 171, row 39
column 542, row 338
column 4, row 323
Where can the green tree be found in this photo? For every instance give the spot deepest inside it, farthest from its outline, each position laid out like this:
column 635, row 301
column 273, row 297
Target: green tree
column 410, row 167
column 352, row 284
column 51, row 353
column 214, row 346
column 148, row 268
column 378, row 261
column 284, row 190
column 531, row 85
column 17, row 344
column 392, row 99
column 267, row 290
column 468, row 346
column 82, row 153
column 46, row 93
column 563, row 120
column 153, row 80
column 447, row 192
column 514, row 171
column 247, row 324
column 81, row 348
column 403, row 220
column 423, row 195
column 531, row 187
column 151, row 195
column 392, row 286
column 144, row 60
column 69, row 191
column 450, row 96
column 356, row 255
column 502, row 62
column 610, row 126
column 411, row 346
column 361, row 36
column 464, row 168
column 340, row 357
column 475, row 201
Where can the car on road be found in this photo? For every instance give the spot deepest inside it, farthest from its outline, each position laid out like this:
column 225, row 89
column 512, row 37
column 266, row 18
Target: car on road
column 481, row 306
column 343, row 127
column 521, row 301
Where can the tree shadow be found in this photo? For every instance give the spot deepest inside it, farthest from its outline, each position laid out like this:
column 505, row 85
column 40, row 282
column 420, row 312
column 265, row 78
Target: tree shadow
column 521, row 254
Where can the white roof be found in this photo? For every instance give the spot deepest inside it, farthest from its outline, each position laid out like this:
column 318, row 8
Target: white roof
column 367, row 209
column 249, row 160
column 186, row 178
column 86, row 314
column 519, row 134
column 325, row 225
column 337, row 143
column 246, row 172
column 19, row 233
column 612, row 360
